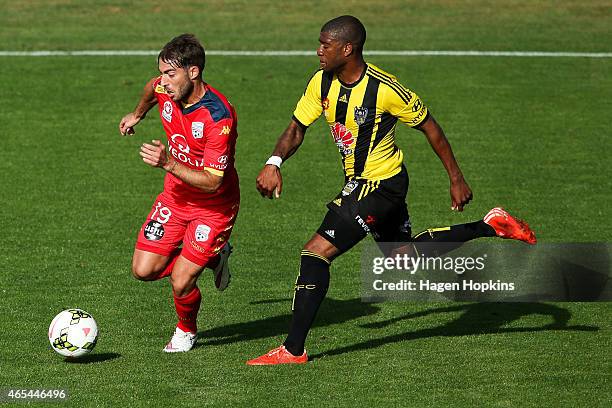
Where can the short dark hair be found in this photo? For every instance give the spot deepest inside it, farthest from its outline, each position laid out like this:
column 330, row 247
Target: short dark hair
column 347, row 29
column 184, row 51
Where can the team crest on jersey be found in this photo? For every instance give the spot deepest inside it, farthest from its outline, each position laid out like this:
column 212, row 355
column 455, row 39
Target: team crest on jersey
column 343, row 138
column 361, row 114
column 197, row 130
column 202, row 232
column 167, row 111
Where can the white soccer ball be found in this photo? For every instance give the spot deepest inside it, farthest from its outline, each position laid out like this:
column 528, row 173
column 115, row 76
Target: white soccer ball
column 73, row 333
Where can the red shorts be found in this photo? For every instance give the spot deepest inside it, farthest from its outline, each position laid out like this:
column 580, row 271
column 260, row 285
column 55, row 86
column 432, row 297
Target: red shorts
column 203, row 230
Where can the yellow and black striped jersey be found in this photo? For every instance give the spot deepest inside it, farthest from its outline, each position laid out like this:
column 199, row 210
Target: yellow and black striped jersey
column 362, row 118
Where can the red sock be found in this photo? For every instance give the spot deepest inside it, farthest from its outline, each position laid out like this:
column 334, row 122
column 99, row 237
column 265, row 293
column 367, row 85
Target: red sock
column 170, row 265
column 187, row 308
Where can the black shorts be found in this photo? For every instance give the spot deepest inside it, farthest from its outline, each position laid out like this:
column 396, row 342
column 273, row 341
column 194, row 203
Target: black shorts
column 362, row 207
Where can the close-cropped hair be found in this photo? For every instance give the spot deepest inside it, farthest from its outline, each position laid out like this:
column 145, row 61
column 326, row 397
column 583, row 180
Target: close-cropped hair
column 347, row 29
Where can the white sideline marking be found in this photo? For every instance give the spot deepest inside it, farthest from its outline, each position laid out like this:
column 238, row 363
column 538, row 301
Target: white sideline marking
column 408, row 53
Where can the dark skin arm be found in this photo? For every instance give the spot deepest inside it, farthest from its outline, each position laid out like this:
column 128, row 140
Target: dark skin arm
column 460, row 191
column 270, row 181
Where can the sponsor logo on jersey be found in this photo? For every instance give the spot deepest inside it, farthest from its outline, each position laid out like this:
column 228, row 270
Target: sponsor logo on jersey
column 217, row 166
column 418, row 118
column 180, row 141
column 160, row 89
column 349, row 187
column 338, row 202
column 225, row 131
column 325, row 104
column 154, row 231
column 167, row 111
column 361, row 115
column 362, row 223
column 418, row 105
column 197, row 130
column 221, row 163
column 370, row 219
column 183, row 158
column 343, row 138
column 343, row 99
column 179, row 149
column 201, row 233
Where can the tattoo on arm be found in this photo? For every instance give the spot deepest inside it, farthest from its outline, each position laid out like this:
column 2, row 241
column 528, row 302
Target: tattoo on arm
column 289, row 141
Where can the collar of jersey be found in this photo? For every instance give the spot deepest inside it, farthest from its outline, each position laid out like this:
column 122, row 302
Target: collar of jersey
column 190, row 108
column 354, row 84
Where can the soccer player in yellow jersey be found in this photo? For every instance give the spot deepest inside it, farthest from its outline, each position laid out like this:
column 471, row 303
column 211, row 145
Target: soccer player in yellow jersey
column 362, row 105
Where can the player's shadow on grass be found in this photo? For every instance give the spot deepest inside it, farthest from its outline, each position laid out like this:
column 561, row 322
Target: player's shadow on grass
column 477, row 319
column 332, row 312
column 92, row 358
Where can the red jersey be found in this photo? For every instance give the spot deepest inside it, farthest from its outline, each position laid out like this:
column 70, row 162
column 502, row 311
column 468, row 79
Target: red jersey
column 202, row 137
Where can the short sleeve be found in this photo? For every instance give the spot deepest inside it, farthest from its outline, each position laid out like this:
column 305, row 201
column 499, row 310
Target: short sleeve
column 309, row 106
column 405, row 104
column 218, row 146
column 159, row 91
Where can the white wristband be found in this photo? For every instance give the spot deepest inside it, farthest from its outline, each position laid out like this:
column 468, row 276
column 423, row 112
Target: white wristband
column 275, row 160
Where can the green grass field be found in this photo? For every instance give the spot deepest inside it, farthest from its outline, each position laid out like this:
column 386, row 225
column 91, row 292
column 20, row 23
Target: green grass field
column 532, row 134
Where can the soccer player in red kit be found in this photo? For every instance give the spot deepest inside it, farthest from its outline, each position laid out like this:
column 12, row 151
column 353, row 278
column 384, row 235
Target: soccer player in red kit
column 200, row 200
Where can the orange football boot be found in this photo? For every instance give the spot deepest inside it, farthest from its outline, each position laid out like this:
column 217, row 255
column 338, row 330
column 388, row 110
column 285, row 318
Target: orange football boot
column 279, row 355
column 506, row 226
